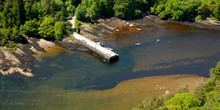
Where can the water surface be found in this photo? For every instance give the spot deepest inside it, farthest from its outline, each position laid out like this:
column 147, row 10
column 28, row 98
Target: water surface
column 78, row 80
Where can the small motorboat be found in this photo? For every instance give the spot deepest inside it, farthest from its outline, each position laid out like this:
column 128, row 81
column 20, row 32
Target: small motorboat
column 117, row 30
column 109, row 48
column 139, row 29
column 100, row 43
column 158, row 40
column 131, row 25
column 137, row 44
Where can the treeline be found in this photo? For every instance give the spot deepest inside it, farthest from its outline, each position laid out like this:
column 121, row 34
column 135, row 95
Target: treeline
column 126, row 9
column 132, row 9
column 204, row 97
column 47, row 18
column 187, row 9
column 35, row 18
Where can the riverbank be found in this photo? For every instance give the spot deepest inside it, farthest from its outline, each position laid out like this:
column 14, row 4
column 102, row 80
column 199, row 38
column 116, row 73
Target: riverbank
column 108, row 28
column 25, row 57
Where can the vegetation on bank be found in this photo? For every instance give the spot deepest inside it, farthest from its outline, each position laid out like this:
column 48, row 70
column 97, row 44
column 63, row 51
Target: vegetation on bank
column 47, row 18
column 35, row 18
column 204, row 97
column 132, row 9
column 187, row 9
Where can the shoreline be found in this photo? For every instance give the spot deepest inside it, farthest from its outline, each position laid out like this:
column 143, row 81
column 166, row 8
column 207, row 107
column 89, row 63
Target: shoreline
column 22, row 60
column 27, row 55
column 106, row 28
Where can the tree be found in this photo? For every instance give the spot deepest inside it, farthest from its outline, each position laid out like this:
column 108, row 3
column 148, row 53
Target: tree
column 106, row 7
column 203, row 10
column 182, row 101
column 59, row 29
column 70, row 8
column 15, row 36
column 215, row 73
column 95, row 10
column 5, row 35
column 46, row 29
column 35, row 11
column 122, row 10
column 30, row 28
column 5, row 16
column 199, row 93
column 80, row 12
column 47, row 7
column 18, row 12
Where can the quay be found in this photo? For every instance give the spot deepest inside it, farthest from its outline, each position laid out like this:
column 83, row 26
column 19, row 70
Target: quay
column 103, row 52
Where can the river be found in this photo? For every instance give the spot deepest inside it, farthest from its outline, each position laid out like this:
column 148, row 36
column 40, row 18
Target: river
column 75, row 80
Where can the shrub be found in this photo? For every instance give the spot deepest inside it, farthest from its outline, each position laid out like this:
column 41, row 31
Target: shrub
column 182, row 101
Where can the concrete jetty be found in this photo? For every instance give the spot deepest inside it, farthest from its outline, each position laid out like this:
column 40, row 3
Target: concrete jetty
column 103, row 52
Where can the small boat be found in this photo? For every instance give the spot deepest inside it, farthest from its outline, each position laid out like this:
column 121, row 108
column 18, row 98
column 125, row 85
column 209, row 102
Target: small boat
column 137, row 44
column 139, row 29
column 117, row 30
column 158, row 40
column 100, row 43
column 109, row 48
column 131, row 25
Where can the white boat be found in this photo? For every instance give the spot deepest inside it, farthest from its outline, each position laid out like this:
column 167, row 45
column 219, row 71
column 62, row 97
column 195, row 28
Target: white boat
column 158, row 40
column 100, row 43
column 109, row 48
column 131, row 25
column 139, row 29
column 137, row 44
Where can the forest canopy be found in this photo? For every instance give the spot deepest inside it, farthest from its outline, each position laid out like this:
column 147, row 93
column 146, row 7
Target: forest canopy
column 48, row 18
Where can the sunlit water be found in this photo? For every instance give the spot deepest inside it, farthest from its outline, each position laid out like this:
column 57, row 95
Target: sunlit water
column 76, row 80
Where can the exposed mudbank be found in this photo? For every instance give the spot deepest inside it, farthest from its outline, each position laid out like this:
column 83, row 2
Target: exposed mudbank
column 107, row 28
column 124, row 96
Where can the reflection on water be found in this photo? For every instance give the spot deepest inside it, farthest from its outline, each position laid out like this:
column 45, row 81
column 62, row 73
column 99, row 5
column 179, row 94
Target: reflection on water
column 77, row 80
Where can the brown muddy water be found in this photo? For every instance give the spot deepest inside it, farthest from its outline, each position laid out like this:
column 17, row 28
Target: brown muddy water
column 79, row 81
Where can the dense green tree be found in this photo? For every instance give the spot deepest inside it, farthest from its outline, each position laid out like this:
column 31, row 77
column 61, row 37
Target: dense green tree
column 130, row 9
column 95, row 10
column 203, row 10
column 59, row 29
column 5, row 35
column 28, row 4
column 199, row 93
column 35, row 11
column 46, row 29
column 106, row 7
column 70, row 8
column 47, row 7
column 182, row 101
column 122, row 10
column 2, row 5
column 18, row 12
column 30, row 28
column 15, row 36
column 81, row 12
column 215, row 72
